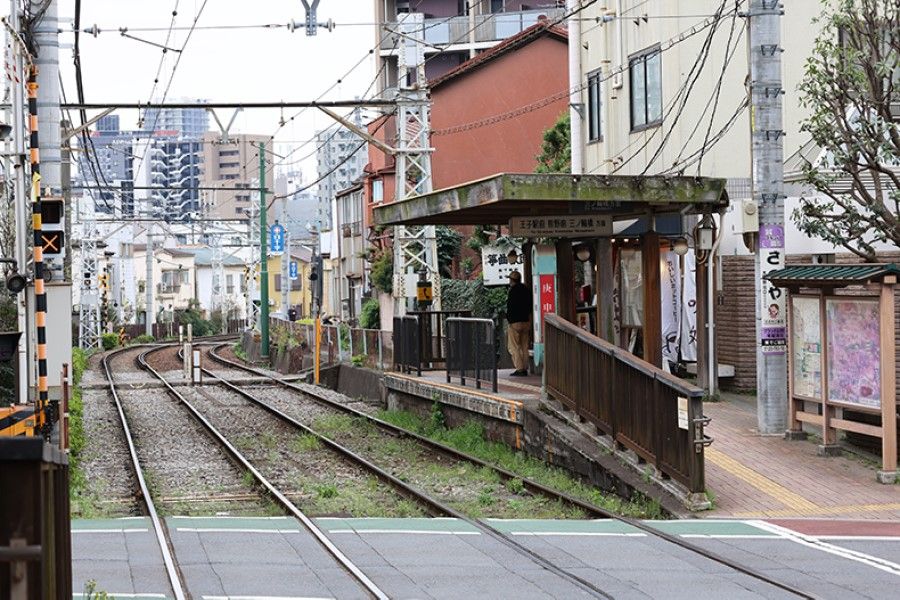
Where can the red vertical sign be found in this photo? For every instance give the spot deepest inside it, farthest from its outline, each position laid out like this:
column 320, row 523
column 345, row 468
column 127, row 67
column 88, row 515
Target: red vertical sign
column 547, row 297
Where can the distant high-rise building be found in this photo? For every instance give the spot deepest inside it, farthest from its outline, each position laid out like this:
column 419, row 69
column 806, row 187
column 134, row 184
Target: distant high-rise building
column 188, row 122
column 233, row 163
column 340, row 161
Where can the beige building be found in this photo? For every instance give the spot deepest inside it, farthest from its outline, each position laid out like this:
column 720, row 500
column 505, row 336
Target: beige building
column 174, row 281
column 651, row 89
column 233, row 163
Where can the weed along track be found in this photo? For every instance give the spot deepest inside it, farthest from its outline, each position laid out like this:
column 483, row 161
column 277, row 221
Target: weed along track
column 320, row 481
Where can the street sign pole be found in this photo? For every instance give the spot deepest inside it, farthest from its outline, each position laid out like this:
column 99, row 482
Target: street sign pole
column 264, row 262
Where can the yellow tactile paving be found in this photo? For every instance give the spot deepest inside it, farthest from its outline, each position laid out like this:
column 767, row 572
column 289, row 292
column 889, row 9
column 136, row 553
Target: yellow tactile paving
column 780, row 493
column 825, row 510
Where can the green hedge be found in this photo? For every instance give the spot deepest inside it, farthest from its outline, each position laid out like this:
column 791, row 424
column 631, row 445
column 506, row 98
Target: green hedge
column 370, row 316
column 484, row 302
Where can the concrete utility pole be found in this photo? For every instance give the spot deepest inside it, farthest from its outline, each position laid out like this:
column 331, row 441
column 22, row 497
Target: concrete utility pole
column 264, row 263
column 286, row 273
column 576, row 106
column 415, row 248
column 148, row 283
column 46, row 38
column 21, row 194
column 767, row 153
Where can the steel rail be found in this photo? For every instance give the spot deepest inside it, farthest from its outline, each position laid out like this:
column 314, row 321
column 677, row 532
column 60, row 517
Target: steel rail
column 420, row 496
column 281, row 498
column 162, row 534
column 529, row 484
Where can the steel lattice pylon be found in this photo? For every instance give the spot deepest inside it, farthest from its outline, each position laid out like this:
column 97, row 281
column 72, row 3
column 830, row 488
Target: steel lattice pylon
column 89, row 323
column 415, row 248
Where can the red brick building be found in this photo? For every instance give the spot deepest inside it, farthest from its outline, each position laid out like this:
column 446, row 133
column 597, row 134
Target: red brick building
column 488, row 114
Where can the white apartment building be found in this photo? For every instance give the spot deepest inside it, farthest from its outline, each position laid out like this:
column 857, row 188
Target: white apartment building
column 654, row 97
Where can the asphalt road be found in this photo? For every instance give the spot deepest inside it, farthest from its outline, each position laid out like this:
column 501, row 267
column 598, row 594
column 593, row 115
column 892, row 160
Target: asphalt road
column 275, row 558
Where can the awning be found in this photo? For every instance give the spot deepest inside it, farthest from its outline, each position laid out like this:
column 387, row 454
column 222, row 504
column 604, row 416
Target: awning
column 830, row 275
column 495, row 199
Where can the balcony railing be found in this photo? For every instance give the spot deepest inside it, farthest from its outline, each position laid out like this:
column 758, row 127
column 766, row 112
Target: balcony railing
column 487, row 28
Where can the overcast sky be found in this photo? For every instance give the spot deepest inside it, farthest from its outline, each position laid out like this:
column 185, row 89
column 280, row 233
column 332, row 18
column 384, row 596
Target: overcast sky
column 224, row 65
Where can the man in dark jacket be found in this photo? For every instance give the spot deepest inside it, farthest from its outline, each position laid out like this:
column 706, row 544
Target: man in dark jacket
column 518, row 314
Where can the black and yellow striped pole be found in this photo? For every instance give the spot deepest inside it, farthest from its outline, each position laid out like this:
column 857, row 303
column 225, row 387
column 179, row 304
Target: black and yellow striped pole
column 40, row 294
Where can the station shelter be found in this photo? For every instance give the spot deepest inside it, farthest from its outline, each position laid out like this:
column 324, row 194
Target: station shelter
column 623, row 227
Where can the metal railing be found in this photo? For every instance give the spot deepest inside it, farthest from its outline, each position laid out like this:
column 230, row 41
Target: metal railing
column 407, row 344
column 35, row 537
column 643, row 408
column 487, row 28
column 471, row 351
column 433, row 325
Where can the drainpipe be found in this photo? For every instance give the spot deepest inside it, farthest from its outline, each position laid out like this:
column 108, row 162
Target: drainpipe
column 575, row 104
column 618, row 78
column 712, row 363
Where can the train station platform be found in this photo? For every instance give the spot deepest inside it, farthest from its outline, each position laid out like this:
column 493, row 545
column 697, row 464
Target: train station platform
column 747, row 475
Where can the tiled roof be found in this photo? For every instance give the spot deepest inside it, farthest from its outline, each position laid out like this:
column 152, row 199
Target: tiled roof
column 830, row 274
column 526, row 36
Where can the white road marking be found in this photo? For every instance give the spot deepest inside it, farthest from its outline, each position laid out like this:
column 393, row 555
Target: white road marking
column 265, row 598
column 74, row 531
column 408, row 531
column 730, row 536
column 120, row 595
column 229, row 530
column 580, row 533
column 860, row 538
column 812, row 542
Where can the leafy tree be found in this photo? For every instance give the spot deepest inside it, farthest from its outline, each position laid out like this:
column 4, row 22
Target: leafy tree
column 850, row 81
column 556, row 149
column 382, row 273
column 449, row 242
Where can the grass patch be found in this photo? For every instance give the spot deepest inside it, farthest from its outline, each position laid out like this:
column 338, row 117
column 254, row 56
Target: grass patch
column 239, row 352
column 354, row 498
column 334, row 423
column 470, row 439
column 305, row 442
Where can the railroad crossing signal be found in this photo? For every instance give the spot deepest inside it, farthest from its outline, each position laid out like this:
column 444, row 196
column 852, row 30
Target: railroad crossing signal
column 53, row 242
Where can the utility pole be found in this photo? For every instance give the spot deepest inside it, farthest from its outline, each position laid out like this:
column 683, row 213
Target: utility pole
column 148, row 283
column 767, row 153
column 576, row 106
column 286, row 274
column 23, row 373
column 264, row 263
column 252, row 266
column 415, row 248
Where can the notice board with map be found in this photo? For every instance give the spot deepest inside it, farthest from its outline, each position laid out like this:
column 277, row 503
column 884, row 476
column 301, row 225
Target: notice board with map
column 806, row 347
column 854, row 352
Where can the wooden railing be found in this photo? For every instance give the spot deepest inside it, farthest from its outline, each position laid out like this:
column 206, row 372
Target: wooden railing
column 643, row 408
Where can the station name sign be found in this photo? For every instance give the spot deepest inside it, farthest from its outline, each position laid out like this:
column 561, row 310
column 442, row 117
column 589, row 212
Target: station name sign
column 561, row 226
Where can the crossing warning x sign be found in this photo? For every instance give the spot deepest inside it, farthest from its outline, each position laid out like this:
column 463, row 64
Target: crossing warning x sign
column 52, row 241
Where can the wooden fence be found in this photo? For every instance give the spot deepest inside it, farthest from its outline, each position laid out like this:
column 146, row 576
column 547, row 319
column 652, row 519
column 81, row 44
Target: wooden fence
column 643, row 408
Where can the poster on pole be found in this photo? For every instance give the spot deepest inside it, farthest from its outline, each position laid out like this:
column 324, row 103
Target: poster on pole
column 773, row 331
column 854, row 352
column 688, row 327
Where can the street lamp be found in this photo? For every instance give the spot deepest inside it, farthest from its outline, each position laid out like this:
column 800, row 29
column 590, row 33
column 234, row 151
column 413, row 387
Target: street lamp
column 680, row 246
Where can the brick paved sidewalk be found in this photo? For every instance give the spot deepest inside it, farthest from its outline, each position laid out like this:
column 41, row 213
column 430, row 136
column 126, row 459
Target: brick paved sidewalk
column 766, row 476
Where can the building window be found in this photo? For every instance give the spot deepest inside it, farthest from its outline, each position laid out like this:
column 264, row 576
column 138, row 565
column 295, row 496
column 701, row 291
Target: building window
column 377, row 191
column 646, row 90
column 229, row 284
column 595, row 103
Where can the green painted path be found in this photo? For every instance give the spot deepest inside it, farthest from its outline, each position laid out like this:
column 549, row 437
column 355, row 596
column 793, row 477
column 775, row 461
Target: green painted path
column 433, row 526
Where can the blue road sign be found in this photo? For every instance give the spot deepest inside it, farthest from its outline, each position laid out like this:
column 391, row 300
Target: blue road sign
column 292, row 270
column 276, row 238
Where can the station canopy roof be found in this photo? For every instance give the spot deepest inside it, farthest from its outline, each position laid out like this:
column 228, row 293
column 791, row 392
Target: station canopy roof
column 495, row 199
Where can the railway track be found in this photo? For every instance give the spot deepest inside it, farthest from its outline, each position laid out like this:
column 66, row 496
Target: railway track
column 534, row 487
column 162, row 535
column 271, row 489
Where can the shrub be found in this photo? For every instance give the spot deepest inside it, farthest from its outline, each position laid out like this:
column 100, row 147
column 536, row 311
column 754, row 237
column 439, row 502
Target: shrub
column 109, row 340
column 382, row 274
column 370, row 315
column 143, row 339
column 359, row 360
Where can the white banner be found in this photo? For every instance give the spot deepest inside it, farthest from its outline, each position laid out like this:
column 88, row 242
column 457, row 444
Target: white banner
column 688, row 327
column 670, row 292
